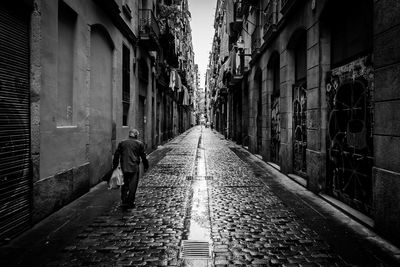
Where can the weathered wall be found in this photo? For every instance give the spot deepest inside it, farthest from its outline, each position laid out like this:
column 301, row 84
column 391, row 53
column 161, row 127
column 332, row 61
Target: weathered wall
column 382, row 80
column 386, row 173
column 62, row 152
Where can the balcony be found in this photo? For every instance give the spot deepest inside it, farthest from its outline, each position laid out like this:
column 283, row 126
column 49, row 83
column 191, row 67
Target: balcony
column 149, row 31
column 271, row 19
column 250, row 2
column 237, row 23
column 236, row 66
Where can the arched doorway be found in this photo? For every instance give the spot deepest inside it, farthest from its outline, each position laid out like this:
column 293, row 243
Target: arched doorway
column 349, row 95
column 259, row 115
column 245, row 113
column 299, row 105
column 275, row 120
column 143, row 100
column 100, row 119
column 350, row 144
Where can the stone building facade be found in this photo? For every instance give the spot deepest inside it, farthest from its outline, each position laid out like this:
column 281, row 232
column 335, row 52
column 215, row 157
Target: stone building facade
column 311, row 87
column 75, row 76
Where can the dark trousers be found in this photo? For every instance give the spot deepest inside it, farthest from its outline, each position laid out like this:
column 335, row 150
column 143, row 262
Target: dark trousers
column 128, row 189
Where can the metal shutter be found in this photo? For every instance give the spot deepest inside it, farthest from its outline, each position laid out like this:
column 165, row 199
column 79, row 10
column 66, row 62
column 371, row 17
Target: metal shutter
column 141, row 115
column 15, row 181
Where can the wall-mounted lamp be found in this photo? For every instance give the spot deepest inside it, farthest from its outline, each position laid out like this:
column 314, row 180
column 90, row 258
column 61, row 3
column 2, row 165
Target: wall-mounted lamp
column 240, row 43
column 240, row 46
column 153, row 56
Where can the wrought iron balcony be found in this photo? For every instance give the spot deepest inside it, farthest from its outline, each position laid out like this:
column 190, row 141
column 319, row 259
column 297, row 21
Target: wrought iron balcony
column 149, row 31
column 236, row 66
column 236, row 24
column 271, row 19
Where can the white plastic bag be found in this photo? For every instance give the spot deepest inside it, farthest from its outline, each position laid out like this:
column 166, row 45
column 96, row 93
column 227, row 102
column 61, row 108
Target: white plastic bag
column 117, row 179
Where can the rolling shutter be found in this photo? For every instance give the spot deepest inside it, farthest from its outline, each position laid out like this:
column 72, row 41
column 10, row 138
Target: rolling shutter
column 141, row 124
column 15, row 181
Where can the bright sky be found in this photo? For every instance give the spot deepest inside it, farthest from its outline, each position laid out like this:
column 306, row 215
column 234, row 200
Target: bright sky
column 202, row 25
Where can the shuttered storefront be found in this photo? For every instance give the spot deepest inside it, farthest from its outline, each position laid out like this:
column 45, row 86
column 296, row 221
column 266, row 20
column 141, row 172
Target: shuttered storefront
column 142, row 114
column 15, row 181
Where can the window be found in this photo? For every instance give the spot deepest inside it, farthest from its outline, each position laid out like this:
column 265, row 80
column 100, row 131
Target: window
column 134, row 60
column 275, row 77
column 301, row 58
column 351, row 35
column 65, row 64
column 126, row 89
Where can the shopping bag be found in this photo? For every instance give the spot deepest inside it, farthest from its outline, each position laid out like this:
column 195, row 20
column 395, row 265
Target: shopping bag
column 117, row 179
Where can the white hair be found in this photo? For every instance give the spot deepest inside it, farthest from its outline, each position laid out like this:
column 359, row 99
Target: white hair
column 133, row 133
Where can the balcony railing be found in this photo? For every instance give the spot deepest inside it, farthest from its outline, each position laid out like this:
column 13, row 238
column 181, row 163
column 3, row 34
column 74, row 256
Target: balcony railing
column 236, row 24
column 149, row 31
column 271, row 19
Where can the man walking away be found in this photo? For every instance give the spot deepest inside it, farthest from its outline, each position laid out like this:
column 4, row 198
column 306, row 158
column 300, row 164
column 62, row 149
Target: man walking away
column 128, row 154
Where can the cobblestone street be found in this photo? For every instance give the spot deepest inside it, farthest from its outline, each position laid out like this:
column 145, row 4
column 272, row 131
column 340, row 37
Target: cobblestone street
column 250, row 224
column 151, row 234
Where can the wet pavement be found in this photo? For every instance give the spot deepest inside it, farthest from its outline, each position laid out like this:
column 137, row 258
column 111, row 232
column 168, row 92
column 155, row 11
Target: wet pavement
column 150, row 234
column 206, row 192
column 251, row 225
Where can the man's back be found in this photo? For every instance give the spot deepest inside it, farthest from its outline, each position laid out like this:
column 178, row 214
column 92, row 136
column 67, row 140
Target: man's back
column 130, row 151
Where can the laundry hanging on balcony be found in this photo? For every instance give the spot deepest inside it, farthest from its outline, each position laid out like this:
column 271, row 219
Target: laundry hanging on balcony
column 175, row 80
column 221, row 82
column 185, row 101
column 235, row 62
column 178, row 84
column 172, row 79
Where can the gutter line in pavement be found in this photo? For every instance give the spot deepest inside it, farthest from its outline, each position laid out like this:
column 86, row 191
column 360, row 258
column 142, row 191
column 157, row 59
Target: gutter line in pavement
column 199, row 224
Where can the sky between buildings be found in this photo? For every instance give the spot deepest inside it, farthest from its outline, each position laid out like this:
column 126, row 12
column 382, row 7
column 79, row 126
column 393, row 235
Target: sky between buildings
column 202, row 25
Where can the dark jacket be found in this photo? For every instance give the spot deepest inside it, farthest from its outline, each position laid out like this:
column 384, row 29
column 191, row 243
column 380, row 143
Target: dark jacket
column 128, row 153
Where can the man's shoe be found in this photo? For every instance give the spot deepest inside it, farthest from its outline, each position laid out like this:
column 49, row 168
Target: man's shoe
column 131, row 206
column 126, row 206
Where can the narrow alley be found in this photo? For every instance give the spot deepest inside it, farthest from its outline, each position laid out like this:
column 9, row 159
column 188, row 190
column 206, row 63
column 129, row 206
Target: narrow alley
column 199, row 133
column 204, row 202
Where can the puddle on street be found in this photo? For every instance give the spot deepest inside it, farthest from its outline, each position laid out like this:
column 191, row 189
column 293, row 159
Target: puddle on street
column 199, row 229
